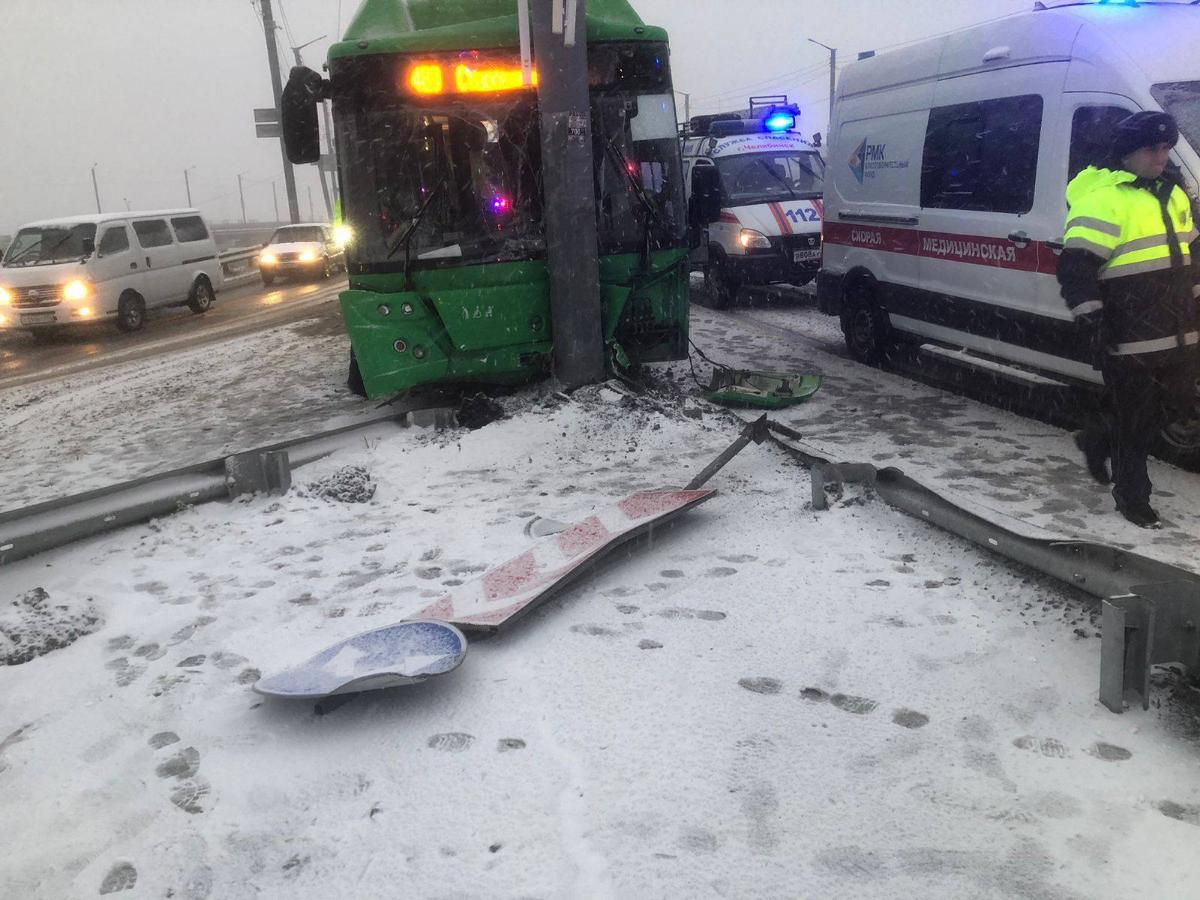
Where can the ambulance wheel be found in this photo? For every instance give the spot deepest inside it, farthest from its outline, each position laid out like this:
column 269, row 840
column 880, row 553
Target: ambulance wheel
column 864, row 324
column 131, row 312
column 201, row 298
column 354, row 379
column 720, row 288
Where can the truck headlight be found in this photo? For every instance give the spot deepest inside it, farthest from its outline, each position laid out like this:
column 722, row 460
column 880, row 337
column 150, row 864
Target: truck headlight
column 753, row 240
column 76, row 290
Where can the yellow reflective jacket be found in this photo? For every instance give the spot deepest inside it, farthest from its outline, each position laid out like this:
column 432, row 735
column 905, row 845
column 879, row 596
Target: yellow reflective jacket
column 1127, row 264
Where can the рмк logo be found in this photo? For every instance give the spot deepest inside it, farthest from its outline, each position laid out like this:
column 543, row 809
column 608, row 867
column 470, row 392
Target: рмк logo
column 858, row 161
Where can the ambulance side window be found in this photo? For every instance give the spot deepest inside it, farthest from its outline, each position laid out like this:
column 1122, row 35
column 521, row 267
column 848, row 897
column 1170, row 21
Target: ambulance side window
column 982, row 156
column 1091, row 135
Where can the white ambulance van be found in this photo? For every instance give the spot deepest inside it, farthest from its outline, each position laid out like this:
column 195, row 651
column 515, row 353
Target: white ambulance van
column 950, row 158
column 771, row 182
column 113, row 266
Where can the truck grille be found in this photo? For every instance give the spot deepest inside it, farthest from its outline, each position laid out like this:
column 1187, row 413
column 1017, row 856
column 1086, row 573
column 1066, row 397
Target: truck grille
column 39, row 295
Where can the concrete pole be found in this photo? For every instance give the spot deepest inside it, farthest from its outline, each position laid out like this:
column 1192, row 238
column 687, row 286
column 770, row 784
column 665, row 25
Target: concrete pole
column 289, row 177
column 832, row 83
column 96, row 187
column 242, row 197
column 570, row 203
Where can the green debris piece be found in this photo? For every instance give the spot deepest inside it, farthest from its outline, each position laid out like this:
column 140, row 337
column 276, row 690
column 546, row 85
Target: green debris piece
column 761, row 390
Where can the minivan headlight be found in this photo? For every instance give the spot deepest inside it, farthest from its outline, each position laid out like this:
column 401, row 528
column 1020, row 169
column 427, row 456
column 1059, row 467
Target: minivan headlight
column 753, row 240
column 76, row 290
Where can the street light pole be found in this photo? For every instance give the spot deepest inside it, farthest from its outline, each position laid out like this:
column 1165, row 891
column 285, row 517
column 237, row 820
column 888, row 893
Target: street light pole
column 96, row 187
column 242, row 197
column 832, row 80
column 188, row 184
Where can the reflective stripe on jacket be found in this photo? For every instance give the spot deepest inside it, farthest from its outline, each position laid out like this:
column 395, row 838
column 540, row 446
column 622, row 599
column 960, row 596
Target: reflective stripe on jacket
column 1127, row 265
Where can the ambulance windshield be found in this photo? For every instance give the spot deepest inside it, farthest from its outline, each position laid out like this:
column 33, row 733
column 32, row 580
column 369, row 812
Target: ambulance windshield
column 771, row 177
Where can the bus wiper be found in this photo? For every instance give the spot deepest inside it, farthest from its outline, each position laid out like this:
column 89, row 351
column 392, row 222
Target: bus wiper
column 619, row 160
column 406, row 238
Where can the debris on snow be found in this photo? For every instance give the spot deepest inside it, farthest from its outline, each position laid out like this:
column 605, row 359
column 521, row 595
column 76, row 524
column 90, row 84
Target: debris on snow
column 349, row 484
column 32, row 626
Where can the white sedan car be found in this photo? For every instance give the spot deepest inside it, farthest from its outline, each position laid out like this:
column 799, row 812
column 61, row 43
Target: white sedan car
column 307, row 250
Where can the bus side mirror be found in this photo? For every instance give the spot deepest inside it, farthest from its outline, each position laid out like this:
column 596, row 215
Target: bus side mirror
column 298, row 115
column 705, row 205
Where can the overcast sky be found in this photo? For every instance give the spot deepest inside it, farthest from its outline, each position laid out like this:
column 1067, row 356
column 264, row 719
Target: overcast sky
column 147, row 88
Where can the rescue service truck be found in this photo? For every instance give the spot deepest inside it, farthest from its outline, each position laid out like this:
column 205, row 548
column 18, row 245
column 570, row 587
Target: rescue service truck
column 949, row 162
column 771, row 182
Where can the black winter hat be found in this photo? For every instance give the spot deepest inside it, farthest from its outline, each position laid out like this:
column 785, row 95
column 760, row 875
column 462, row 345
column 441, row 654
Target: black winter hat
column 1143, row 129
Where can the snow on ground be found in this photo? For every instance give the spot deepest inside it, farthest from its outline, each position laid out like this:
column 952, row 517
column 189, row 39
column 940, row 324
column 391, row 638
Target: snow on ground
column 764, row 702
column 101, row 427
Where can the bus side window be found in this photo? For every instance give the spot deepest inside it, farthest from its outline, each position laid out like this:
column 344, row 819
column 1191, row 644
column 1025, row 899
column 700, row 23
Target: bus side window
column 1091, row 136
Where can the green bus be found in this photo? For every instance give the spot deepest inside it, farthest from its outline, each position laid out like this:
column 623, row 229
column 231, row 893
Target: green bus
column 439, row 162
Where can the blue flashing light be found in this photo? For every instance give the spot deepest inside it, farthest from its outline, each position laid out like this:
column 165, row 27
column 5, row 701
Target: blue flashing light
column 780, row 121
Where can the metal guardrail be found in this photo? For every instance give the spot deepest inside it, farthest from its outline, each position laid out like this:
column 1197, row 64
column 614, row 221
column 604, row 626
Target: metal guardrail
column 1150, row 608
column 238, row 264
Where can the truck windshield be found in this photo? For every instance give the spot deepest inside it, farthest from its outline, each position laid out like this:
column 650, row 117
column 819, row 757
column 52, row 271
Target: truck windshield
column 42, row 245
column 1182, row 100
column 771, row 177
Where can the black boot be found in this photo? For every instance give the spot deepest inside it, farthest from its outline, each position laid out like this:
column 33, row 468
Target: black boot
column 1141, row 514
column 1095, row 453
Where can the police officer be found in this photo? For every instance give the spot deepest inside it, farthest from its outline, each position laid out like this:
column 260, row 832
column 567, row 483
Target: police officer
column 1128, row 277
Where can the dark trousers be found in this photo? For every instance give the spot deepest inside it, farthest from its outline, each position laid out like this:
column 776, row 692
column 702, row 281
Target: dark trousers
column 1141, row 400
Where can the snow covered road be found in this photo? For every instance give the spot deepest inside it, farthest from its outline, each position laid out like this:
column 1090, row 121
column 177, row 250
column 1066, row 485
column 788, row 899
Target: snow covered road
column 764, row 702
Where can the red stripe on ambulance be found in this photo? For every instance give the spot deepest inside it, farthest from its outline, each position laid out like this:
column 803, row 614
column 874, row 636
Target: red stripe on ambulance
column 976, row 250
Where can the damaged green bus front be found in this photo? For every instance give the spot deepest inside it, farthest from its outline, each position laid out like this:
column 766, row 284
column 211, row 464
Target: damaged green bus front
column 439, row 161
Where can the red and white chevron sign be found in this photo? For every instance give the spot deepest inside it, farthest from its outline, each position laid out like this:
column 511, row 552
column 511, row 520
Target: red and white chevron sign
column 517, row 586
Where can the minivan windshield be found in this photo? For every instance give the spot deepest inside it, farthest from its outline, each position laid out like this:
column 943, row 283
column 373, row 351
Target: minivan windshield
column 296, row 234
column 1182, row 100
column 771, row 177
column 45, row 244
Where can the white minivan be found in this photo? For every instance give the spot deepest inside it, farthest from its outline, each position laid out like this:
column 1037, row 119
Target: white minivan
column 945, row 193
column 108, row 266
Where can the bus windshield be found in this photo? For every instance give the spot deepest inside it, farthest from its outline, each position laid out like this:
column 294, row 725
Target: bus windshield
column 771, row 177
column 456, row 179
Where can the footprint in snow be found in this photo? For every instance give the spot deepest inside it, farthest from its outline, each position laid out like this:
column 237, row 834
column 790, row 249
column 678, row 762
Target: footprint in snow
column 1049, row 747
column 451, row 742
column 708, row 615
column 858, row 706
column 121, row 877
column 762, row 685
column 507, row 745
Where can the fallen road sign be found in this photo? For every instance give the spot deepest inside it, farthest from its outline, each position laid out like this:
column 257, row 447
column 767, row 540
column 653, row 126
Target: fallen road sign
column 520, row 585
column 392, row 656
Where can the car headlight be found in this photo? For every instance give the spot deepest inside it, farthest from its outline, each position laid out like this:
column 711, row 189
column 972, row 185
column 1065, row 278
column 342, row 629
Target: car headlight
column 753, row 240
column 308, row 256
column 76, row 290
column 268, row 259
column 6, row 296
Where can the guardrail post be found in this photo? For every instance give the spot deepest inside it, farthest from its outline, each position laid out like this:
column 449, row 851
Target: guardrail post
column 258, row 473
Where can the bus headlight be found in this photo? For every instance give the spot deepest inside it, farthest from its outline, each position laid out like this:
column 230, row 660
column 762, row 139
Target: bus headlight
column 750, row 239
column 76, row 290
column 267, row 259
